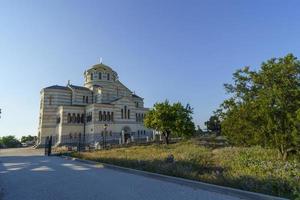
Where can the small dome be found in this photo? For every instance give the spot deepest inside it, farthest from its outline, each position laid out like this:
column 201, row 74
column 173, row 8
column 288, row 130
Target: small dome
column 100, row 66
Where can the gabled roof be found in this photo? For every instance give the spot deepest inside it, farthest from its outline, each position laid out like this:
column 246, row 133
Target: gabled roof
column 76, row 87
column 57, row 87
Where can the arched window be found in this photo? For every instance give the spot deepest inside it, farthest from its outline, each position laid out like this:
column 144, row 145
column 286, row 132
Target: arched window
column 125, row 112
column 104, row 116
column 128, row 114
column 50, row 100
column 69, row 118
column 82, row 118
column 78, row 118
column 122, row 113
column 108, row 76
column 92, row 76
column 100, row 115
column 100, row 75
column 73, row 118
column 108, row 116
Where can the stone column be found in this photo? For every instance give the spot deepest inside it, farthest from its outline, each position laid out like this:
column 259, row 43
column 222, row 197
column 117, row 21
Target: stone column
column 123, row 137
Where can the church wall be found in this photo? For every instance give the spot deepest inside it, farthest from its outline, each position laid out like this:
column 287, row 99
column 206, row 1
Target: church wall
column 51, row 100
column 77, row 97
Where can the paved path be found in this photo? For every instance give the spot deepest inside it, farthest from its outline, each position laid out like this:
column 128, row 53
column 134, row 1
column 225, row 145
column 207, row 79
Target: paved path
column 26, row 174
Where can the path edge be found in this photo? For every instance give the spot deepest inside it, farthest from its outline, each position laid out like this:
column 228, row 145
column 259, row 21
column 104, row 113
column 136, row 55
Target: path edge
column 182, row 181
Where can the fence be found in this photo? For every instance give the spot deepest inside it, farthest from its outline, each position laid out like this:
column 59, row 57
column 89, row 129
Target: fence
column 82, row 142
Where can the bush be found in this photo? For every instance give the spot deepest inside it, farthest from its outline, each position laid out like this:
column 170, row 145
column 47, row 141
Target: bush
column 9, row 142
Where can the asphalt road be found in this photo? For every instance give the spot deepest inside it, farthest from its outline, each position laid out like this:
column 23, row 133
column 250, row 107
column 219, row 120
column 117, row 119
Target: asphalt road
column 28, row 175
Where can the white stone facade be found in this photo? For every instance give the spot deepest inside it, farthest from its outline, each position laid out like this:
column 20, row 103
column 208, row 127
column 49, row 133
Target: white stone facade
column 102, row 108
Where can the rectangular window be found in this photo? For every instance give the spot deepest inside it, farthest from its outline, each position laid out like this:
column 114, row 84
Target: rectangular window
column 108, row 77
column 87, row 99
column 100, row 75
column 122, row 113
column 83, row 99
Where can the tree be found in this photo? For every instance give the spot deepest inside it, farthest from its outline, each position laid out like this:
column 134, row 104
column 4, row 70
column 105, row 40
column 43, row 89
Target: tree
column 263, row 107
column 199, row 131
column 171, row 119
column 28, row 138
column 214, row 124
column 9, row 142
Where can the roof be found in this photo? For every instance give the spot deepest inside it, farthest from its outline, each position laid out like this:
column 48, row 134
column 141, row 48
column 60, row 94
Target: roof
column 116, row 99
column 76, row 87
column 136, row 96
column 57, row 87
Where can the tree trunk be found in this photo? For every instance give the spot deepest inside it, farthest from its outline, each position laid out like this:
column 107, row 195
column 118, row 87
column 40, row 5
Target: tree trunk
column 166, row 136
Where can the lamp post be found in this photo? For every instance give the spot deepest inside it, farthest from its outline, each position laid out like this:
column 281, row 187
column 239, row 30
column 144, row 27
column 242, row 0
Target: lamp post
column 104, row 136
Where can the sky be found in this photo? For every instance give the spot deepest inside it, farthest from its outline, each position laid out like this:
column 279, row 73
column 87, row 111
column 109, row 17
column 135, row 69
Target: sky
column 161, row 49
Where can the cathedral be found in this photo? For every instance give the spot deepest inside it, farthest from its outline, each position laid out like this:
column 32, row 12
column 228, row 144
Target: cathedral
column 103, row 108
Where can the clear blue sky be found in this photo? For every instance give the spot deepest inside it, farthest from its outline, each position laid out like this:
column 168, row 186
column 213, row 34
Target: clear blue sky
column 177, row 50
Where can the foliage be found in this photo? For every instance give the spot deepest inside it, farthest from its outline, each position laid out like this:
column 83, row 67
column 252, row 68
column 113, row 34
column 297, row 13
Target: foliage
column 263, row 107
column 250, row 168
column 214, row 124
column 28, row 138
column 171, row 119
column 9, row 141
column 199, row 131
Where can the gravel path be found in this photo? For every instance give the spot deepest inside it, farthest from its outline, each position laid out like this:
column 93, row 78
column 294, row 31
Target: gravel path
column 28, row 175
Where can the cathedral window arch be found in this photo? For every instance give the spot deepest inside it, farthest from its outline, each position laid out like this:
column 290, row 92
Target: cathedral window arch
column 125, row 111
column 73, row 118
column 108, row 116
column 82, row 118
column 69, row 118
column 100, row 115
column 50, row 99
column 78, row 118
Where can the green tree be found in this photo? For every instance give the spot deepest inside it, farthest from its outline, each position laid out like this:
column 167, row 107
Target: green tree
column 28, row 138
column 9, row 141
column 214, row 124
column 171, row 119
column 263, row 107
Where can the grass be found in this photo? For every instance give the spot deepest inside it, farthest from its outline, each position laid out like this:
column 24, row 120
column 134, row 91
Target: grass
column 253, row 169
